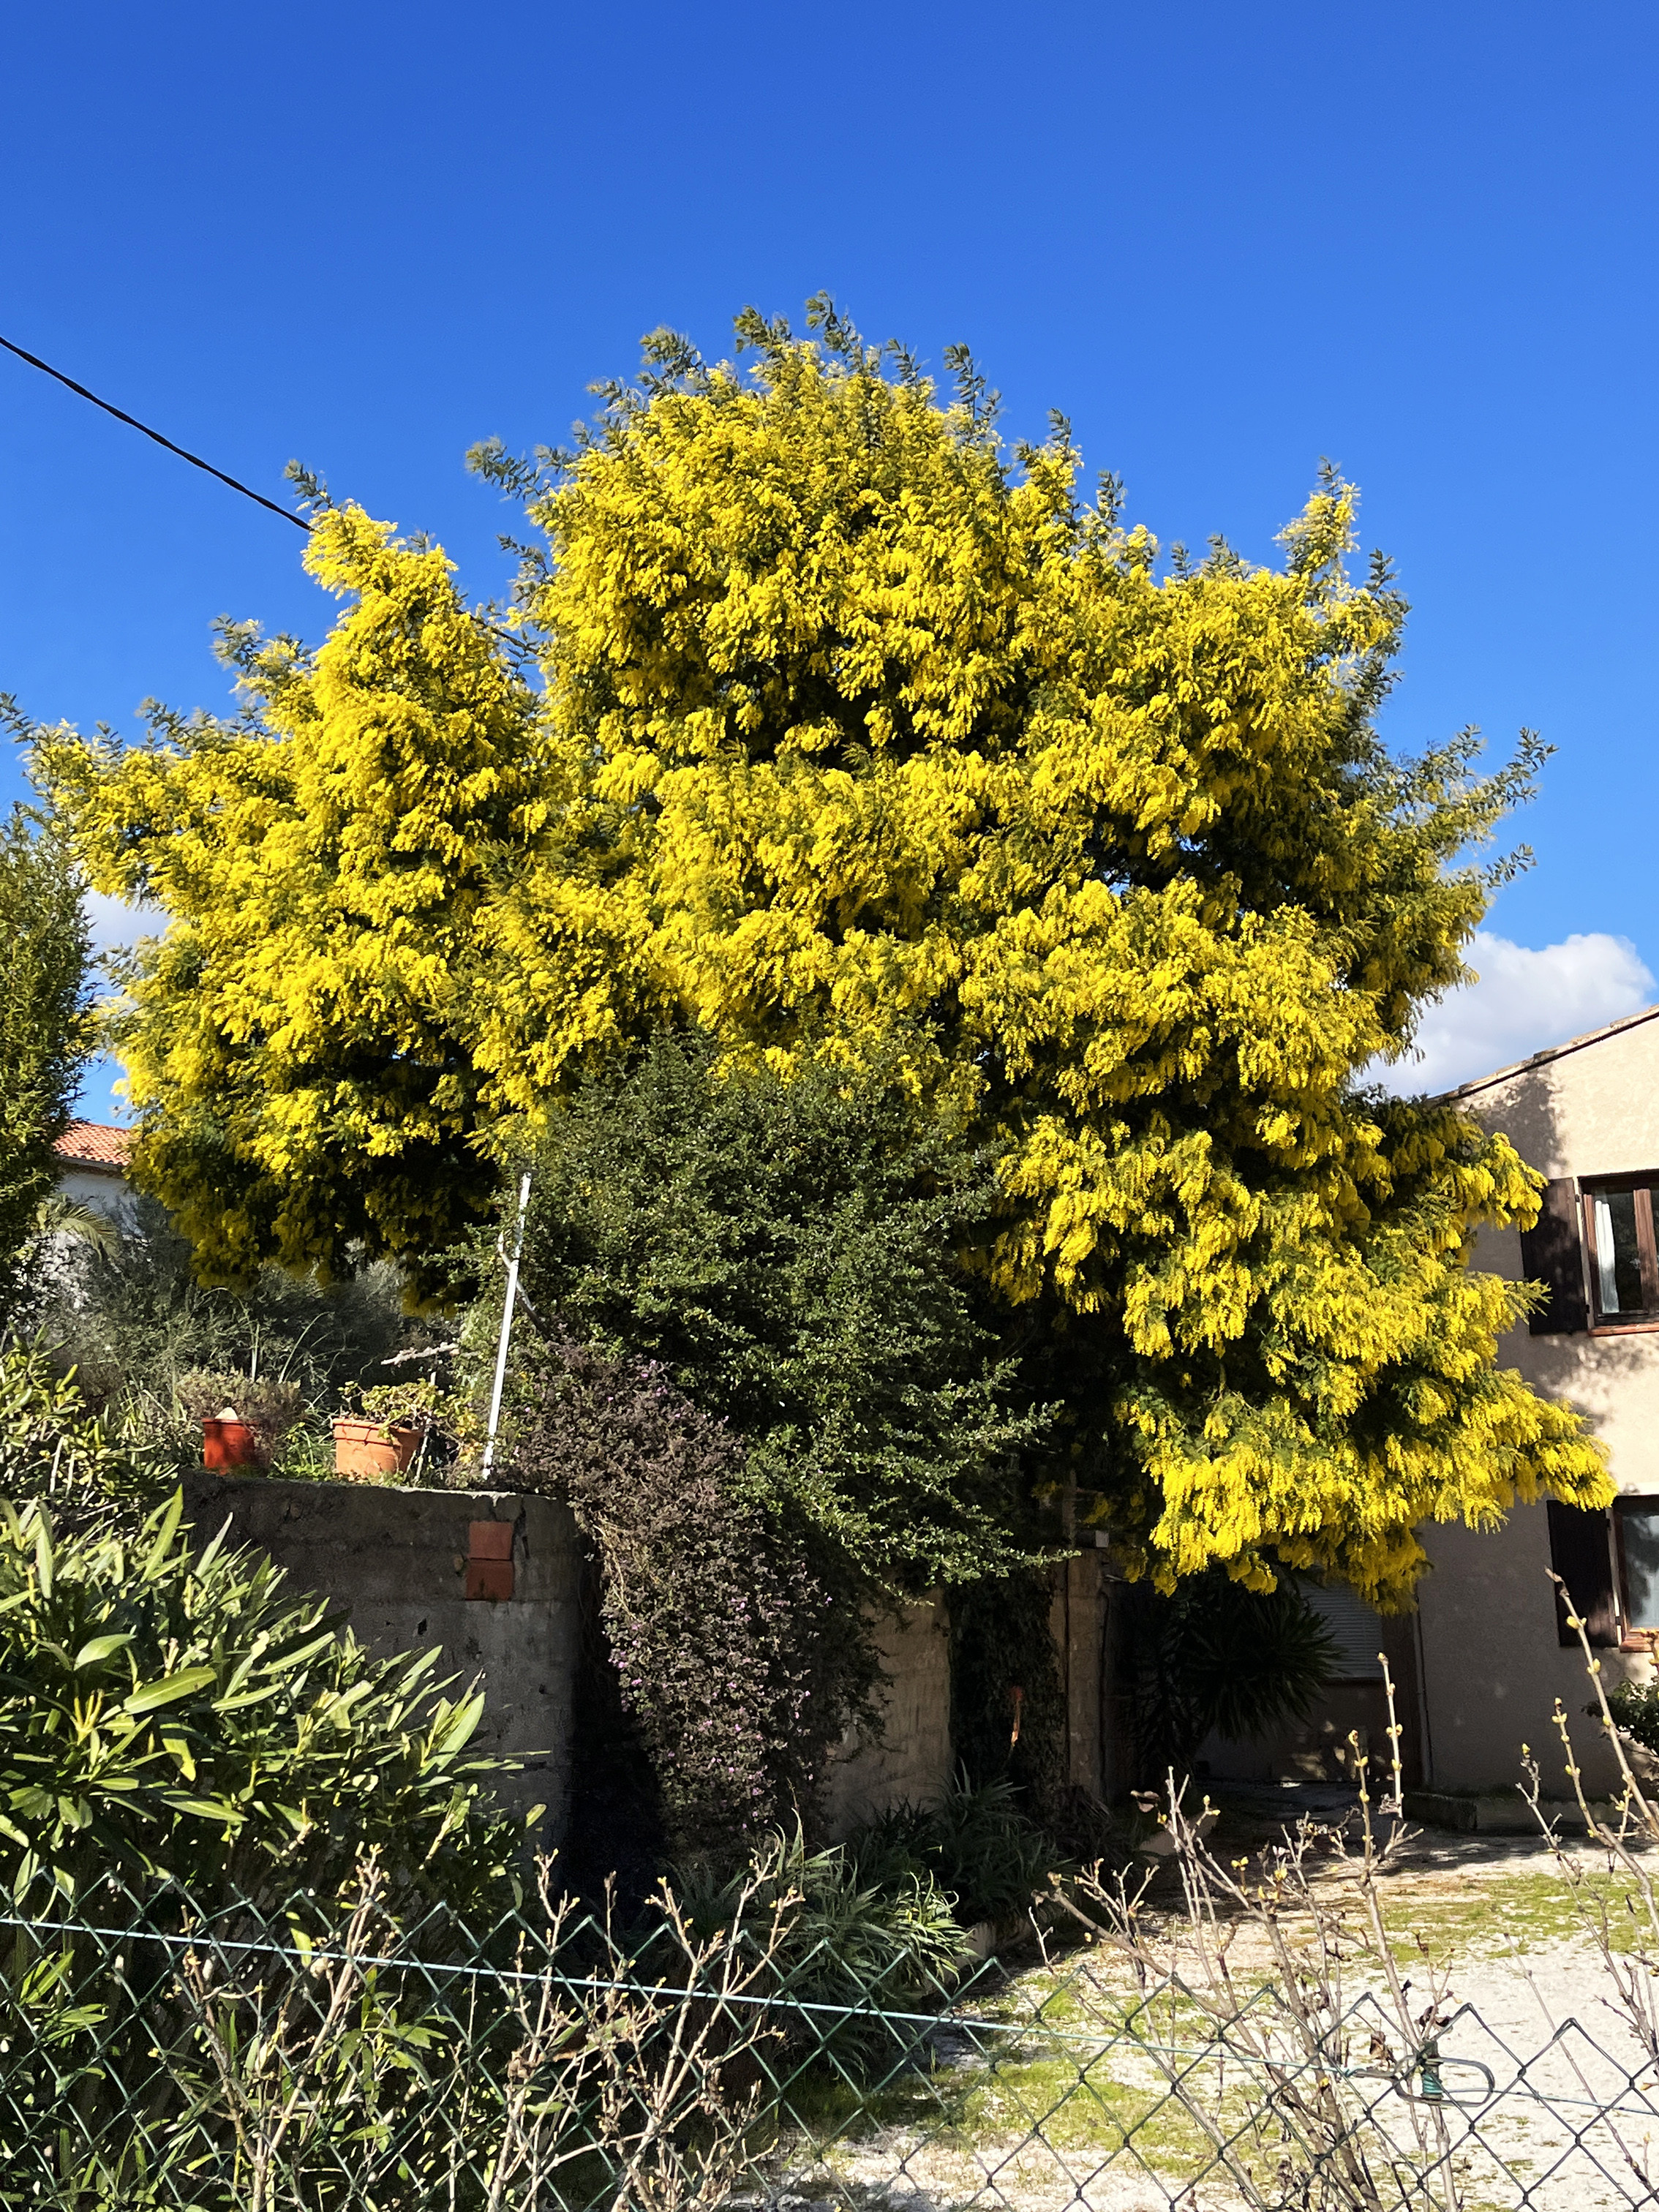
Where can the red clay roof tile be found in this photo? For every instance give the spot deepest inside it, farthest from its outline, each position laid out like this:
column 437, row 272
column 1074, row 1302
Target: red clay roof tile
column 94, row 1144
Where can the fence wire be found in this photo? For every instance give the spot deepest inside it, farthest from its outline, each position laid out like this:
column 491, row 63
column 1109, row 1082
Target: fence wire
column 159, row 2053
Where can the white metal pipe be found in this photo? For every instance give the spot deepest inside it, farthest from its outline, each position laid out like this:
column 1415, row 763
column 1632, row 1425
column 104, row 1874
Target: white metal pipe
column 507, row 1326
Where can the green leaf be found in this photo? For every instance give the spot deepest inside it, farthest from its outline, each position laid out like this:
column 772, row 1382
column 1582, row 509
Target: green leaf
column 164, row 1537
column 99, row 1648
column 305, row 1651
column 170, row 1687
column 205, row 1808
column 459, row 1727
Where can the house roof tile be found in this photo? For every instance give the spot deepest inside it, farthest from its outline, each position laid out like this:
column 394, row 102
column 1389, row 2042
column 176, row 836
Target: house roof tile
column 1553, row 1052
column 94, row 1145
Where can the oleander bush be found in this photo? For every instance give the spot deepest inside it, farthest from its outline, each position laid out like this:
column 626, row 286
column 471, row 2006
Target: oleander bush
column 167, row 1711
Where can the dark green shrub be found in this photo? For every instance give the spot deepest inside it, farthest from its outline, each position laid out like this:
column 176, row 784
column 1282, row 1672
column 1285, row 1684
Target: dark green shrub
column 790, row 1254
column 1635, row 1707
column 1214, row 1655
column 976, row 1844
column 788, row 1259
column 845, row 1938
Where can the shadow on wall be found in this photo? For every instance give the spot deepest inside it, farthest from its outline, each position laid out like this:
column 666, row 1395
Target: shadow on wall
column 1593, row 1374
column 1317, row 1749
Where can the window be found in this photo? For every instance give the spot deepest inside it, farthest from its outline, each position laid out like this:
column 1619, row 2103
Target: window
column 1623, row 1269
column 1553, row 1254
column 1638, row 1558
column 1356, row 1630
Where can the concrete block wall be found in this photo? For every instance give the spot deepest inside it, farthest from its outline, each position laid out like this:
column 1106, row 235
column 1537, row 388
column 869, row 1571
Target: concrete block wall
column 394, row 1562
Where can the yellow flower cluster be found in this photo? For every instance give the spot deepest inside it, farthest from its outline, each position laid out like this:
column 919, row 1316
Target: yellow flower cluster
column 859, row 741
column 292, row 1043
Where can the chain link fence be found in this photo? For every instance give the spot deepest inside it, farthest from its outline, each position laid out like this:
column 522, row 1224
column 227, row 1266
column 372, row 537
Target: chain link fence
column 155, row 2052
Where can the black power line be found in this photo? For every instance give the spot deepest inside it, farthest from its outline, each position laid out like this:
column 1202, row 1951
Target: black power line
column 300, row 521
column 195, row 460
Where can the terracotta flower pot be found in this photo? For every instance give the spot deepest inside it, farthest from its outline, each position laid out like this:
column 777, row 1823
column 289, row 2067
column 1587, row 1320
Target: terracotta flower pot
column 226, row 1444
column 365, row 1452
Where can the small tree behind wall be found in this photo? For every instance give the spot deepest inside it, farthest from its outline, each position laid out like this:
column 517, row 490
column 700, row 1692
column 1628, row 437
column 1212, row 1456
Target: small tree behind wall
column 792, row 1254
column 45, row 1028
column 778, row 1270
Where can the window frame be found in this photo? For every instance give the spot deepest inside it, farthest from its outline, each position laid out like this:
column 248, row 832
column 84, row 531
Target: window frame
column 1642, row 1183
column 1632, row 1637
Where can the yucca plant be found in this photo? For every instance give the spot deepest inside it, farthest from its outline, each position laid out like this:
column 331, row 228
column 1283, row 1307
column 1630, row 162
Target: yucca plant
column 1214, row 1655
column 976, row 1844
column 844, row 1938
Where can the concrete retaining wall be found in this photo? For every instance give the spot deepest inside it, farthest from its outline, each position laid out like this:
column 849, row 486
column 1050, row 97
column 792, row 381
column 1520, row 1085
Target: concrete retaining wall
column 395, row 1563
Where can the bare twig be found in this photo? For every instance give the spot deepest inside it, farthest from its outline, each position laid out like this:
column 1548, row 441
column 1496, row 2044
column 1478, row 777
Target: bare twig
column 1345, row 2041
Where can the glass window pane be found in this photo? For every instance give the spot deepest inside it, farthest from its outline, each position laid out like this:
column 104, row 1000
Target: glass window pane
column 1618, row 1262
column 1640, row 1528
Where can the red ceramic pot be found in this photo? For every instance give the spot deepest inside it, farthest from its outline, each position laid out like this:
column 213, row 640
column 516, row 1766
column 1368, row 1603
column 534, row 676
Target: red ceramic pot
column 227, row 1444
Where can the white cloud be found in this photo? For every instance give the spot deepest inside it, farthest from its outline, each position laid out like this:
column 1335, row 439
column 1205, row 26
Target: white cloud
column 1525, row 1001
column 116, row 925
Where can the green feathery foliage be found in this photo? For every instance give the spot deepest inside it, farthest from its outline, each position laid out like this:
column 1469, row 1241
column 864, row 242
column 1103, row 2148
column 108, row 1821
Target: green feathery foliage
column 45, row 1023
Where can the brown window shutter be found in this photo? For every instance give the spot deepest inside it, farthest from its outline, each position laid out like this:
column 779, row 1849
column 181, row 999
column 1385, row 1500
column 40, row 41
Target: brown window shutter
column 1551, row 1254
column 1581, row 1551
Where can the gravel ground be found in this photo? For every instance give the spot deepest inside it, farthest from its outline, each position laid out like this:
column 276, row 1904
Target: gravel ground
column 1537, row 2051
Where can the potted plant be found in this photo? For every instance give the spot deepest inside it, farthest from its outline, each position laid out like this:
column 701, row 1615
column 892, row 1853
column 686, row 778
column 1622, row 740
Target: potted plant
column 380, row 1439
column 244, row 1418
column 390, row 1430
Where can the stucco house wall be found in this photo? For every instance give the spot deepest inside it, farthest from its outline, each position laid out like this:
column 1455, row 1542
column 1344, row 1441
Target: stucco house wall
column 1493, row 1666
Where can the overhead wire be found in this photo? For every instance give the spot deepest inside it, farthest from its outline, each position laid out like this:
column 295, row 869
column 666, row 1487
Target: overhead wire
column 300, row 521
column 121, row 415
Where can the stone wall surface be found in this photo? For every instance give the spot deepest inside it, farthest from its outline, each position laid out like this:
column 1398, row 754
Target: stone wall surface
column 913, row 1760
column 395, row 1563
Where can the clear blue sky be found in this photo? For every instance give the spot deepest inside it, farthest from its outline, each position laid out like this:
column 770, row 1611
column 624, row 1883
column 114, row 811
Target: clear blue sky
column 1224, row 241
